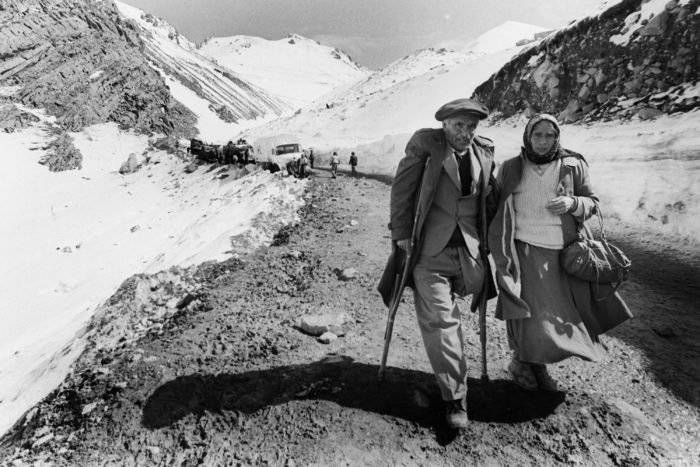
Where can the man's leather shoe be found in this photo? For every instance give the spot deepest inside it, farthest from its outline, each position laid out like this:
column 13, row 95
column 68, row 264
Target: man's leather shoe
column 456, row 414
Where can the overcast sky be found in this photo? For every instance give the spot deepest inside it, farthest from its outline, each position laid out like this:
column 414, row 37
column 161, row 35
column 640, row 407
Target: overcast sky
column 373, row 32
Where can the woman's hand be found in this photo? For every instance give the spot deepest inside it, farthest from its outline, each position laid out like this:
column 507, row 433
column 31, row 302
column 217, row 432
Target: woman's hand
column 560, row 205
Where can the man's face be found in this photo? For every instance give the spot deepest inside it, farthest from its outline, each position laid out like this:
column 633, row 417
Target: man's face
column 459, row 130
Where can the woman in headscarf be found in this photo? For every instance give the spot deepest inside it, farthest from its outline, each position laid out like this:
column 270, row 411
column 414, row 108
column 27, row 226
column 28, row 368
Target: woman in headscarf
column 545, row 197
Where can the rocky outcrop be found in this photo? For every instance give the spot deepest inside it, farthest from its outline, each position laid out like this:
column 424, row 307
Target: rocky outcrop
column 12, row 118
column 62, row 155
column 615, row 65
column 132, row 164
column 83, row 63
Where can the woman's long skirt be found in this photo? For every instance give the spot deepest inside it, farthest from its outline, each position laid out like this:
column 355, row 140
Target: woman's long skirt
column 555, row 330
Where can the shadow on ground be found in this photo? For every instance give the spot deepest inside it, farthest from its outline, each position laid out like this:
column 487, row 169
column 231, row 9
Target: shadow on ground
column 407, row 394
column 666, row 330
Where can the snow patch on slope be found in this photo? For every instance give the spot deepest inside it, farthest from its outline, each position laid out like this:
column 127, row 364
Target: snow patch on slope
column 502, row 37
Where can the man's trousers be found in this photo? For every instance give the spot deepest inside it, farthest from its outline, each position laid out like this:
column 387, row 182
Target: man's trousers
column 438, row 280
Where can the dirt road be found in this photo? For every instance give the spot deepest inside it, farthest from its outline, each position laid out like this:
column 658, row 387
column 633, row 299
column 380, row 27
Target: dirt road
column 230, row 379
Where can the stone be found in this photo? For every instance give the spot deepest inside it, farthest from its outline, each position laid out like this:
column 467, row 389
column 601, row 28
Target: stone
column 353, row 222
column 671, row 5
column 132, row 164
column 588, row 107
column 568, row 115
column 191, row 167
column 296, row 254
column 657, row 25
column 316, row 325
column 347, row 274
column 89, row 408
column 43, row 440
column 62, row 155
column 649, row 113
column 327, row 338
column 135, row 228
column 584, row 92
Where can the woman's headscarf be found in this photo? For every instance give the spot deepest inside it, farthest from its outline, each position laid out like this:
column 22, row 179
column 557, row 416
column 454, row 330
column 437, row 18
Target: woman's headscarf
column 554, row 152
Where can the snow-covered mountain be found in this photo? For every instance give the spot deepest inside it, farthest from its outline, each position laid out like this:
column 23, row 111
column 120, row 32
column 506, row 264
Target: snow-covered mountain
column 633, row 58
column 394, row 100
column 295, row 69
column 223, row 101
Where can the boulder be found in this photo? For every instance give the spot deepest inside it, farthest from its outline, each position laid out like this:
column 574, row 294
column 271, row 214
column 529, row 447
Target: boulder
column 316, row 325
column 327, row 338
column 571, row 113
column 132, row 164
column 657, row 25
column 649, row 113
column 347, row 274
column 62, row 155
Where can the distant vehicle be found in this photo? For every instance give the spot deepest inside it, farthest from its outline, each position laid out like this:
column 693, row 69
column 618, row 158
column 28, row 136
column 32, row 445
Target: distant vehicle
column 205, row 152
column 241, row 152
column 282, row 154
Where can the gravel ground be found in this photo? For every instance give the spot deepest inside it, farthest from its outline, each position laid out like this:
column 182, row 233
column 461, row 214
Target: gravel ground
column 226, row 376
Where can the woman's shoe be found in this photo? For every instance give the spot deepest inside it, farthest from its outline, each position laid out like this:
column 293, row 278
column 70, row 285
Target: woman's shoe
column 522, row 375
column 544, row 379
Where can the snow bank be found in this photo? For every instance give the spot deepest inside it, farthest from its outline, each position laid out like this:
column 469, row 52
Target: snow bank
column 647, row 173
column 71, row 238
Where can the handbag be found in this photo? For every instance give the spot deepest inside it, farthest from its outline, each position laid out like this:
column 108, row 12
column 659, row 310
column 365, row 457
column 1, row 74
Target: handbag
column 596, row 261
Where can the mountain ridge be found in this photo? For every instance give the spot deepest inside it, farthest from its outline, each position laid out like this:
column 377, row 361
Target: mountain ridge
column 634, row 58
column 274, row 65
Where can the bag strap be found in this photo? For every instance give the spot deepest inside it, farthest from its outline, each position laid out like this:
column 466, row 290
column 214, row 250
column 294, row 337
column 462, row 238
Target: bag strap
column 604, row 240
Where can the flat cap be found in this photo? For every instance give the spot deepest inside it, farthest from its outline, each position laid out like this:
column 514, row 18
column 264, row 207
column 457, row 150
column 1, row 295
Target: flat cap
column 462, row 106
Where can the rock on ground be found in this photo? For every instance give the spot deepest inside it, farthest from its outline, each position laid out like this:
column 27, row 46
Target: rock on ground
column 61, row 154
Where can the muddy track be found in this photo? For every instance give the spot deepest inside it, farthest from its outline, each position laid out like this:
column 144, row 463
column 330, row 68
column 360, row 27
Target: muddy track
column 233, row 380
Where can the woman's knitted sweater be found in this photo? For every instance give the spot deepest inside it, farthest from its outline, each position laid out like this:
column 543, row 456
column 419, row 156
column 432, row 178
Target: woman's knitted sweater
column 535, row 224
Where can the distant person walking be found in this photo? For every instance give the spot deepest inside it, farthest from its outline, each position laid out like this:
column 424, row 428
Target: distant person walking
column 303, row 165
column 353, row 163
column 335, row 160
column 311, row 158
column 292, row 167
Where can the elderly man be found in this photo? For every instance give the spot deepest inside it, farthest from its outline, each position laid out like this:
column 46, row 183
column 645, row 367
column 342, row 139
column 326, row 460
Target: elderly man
column 442, row 186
